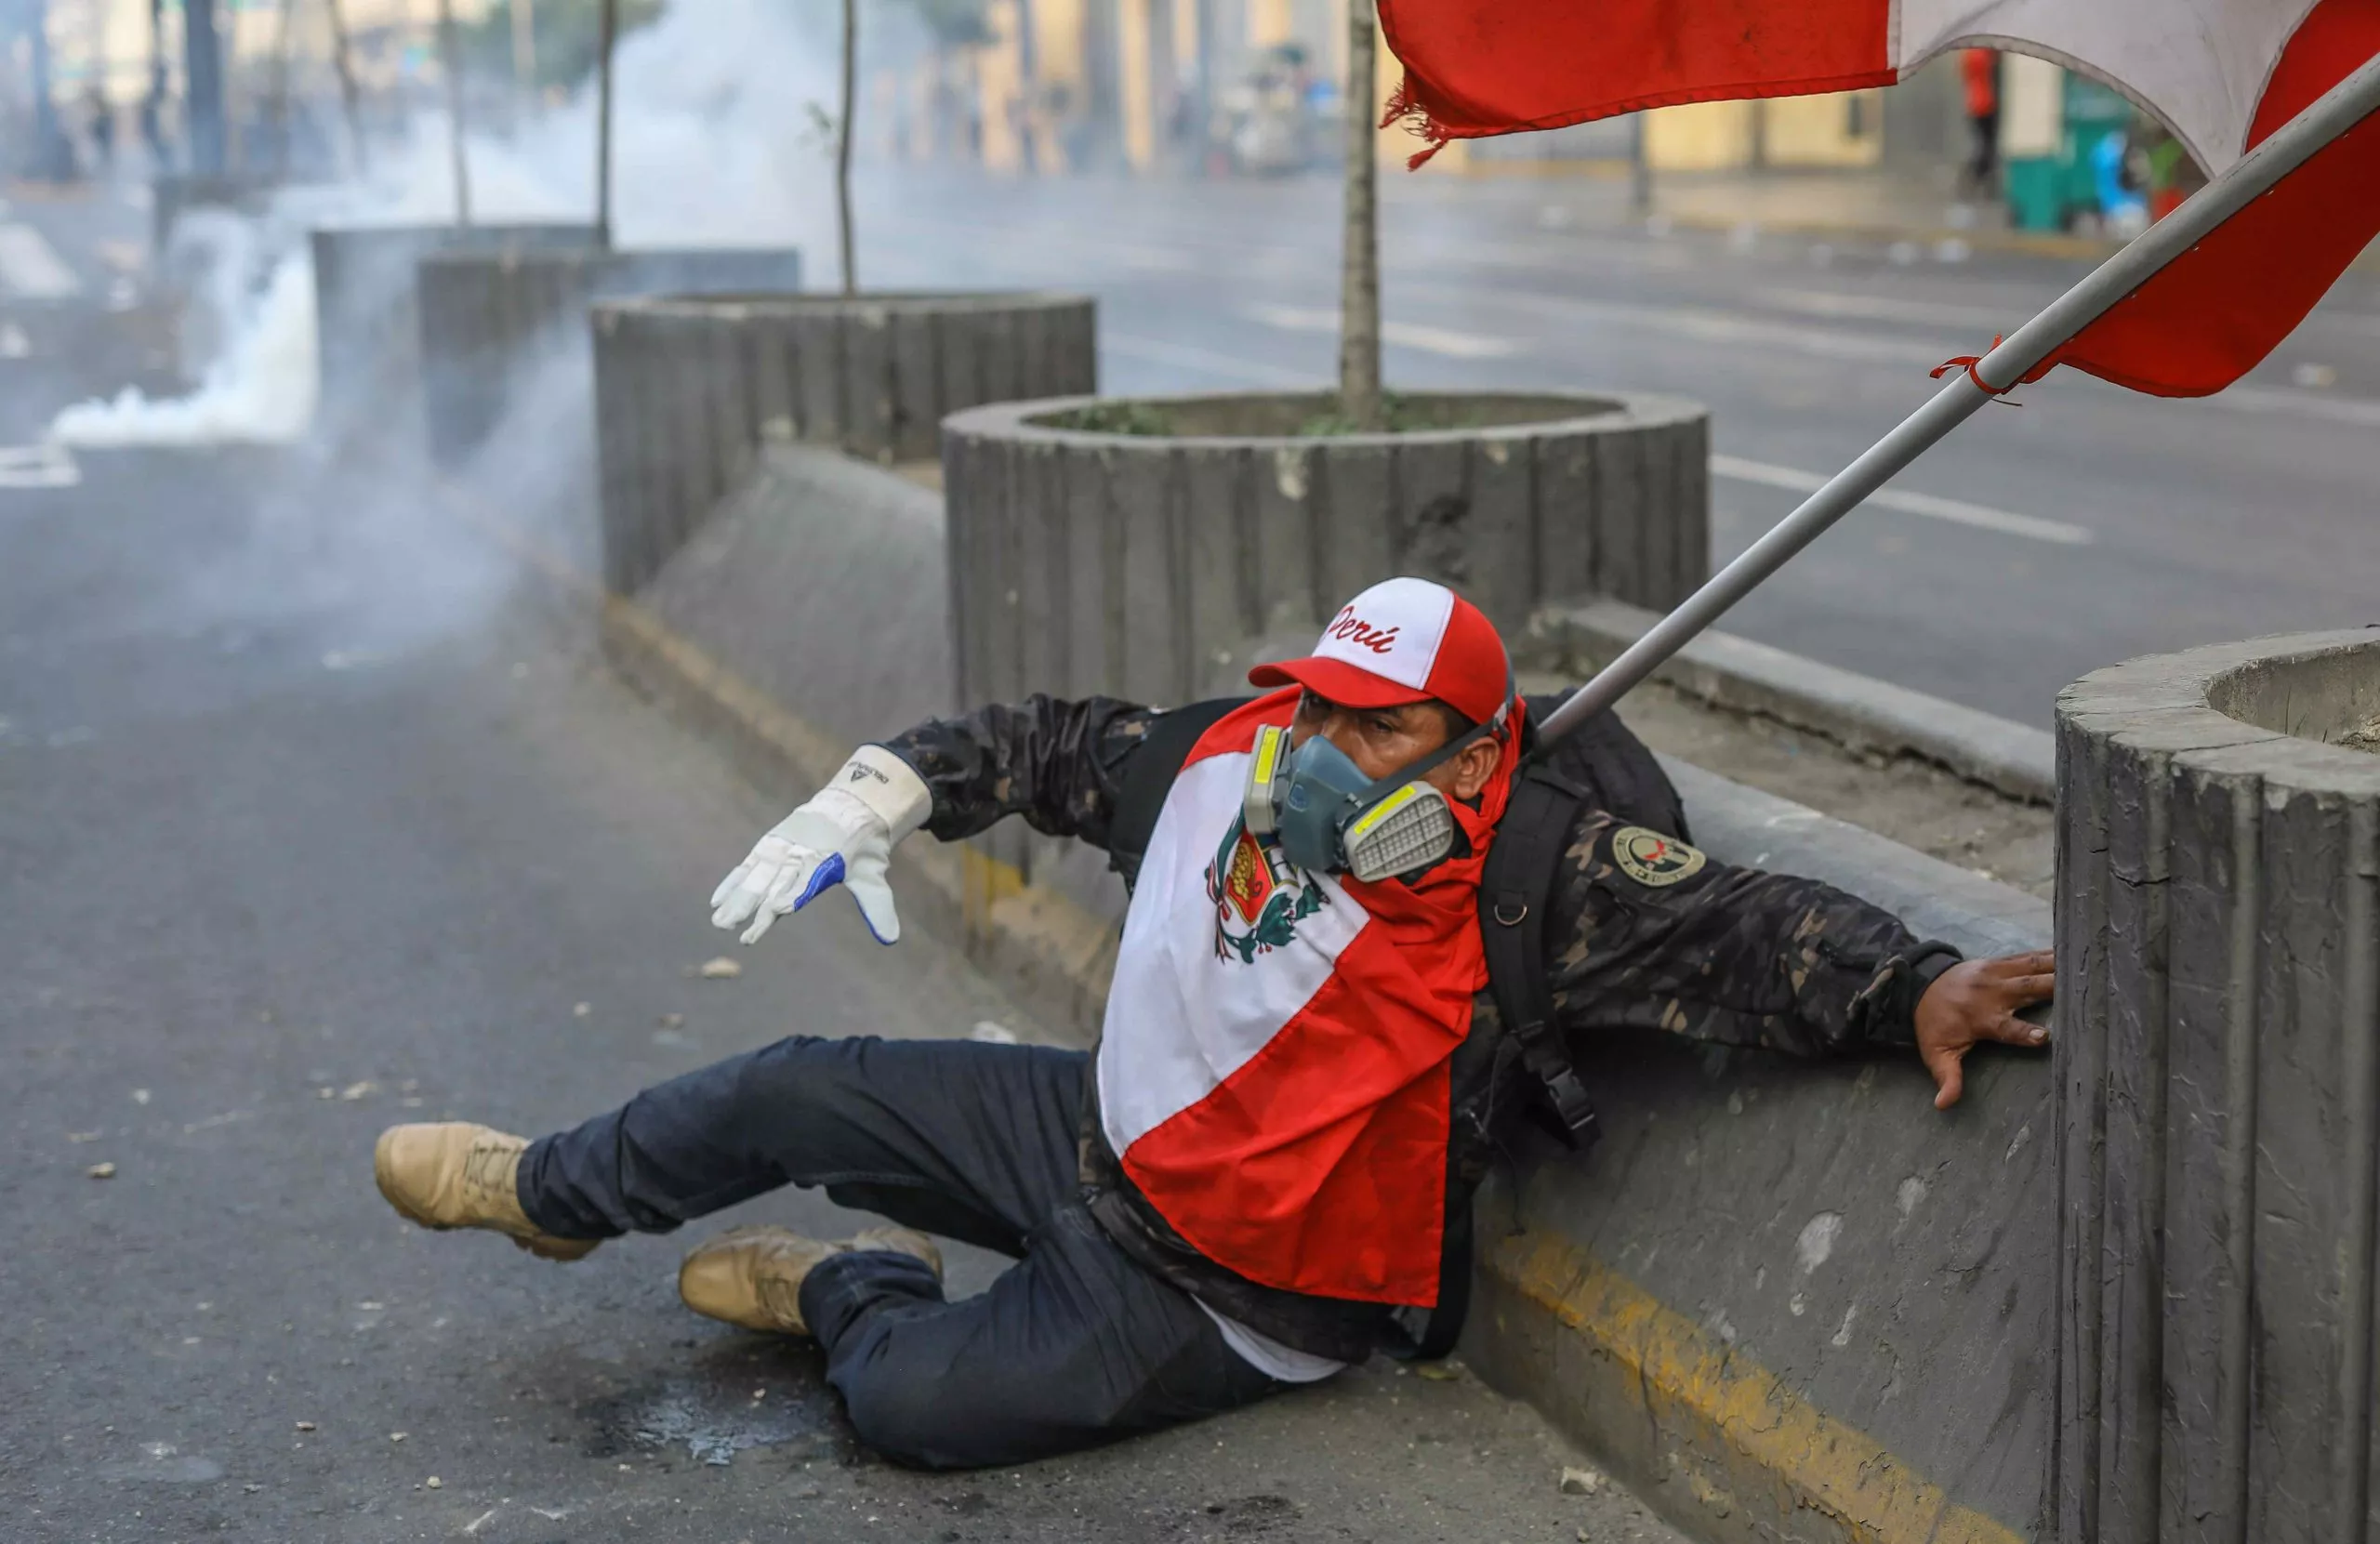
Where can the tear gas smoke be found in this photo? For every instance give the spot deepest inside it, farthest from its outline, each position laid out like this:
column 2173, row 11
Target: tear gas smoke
column 715, row 143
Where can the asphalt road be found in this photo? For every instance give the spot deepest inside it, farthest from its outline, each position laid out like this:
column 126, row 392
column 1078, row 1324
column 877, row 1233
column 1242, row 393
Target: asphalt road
column 314, row 817
column 2087, row 526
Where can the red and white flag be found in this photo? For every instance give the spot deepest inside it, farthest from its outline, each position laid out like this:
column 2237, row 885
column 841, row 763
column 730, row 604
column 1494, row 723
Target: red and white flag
column 2222, row 74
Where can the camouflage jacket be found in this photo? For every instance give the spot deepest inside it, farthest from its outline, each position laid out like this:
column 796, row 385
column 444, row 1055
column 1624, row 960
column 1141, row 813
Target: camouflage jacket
column 1644, row 933
column 1738, row 956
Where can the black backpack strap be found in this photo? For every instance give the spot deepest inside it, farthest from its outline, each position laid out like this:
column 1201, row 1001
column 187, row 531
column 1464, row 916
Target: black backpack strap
column 1149, row 771
column 1515, row 893
column 1429, row 1335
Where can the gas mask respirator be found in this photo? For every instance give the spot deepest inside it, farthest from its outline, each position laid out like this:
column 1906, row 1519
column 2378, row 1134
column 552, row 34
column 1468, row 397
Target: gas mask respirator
column 1329, row 818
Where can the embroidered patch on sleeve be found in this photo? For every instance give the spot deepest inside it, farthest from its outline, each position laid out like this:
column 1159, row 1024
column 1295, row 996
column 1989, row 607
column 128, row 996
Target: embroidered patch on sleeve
column 1653, row 860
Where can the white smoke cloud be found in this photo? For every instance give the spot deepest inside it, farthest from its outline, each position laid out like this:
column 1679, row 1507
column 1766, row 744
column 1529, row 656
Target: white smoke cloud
column 716, row 143
column 260, row 389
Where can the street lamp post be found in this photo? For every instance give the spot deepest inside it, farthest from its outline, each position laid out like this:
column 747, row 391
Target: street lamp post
column 451, row 50
column 343, row 61
column 203, row 75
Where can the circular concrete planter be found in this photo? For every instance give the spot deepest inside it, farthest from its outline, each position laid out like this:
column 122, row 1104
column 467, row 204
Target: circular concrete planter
column 687, row 388
column 2219, row 934
column 1084, row 559
column 489, row 316
column 367, row 329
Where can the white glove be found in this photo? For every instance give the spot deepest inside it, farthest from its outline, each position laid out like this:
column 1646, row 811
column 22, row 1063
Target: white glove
column 845, row 835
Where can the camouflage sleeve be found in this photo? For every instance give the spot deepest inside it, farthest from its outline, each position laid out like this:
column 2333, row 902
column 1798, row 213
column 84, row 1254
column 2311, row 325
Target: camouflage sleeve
column 1059, row 764
column 1651, row 933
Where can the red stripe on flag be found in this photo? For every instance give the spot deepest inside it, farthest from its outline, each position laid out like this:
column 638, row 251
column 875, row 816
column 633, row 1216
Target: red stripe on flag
column 2214, row 313
column 1319, row 1164
column 1483, row 67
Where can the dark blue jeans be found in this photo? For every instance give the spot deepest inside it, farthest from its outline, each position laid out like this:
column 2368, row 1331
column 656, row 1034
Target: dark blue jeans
column 1074, row 1345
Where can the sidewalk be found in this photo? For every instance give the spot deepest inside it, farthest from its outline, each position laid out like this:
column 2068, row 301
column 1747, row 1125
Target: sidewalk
column 1876, row 205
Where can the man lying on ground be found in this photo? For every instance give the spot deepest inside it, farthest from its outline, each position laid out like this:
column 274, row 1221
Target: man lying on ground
column 1316, row 1040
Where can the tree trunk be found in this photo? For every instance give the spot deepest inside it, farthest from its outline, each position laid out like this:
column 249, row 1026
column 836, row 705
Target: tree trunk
column 611, row 27
column 451, row 50
column 345, row 63
column 525, row 48
column 283, row 40
column 1359, row 391
column 844, row 145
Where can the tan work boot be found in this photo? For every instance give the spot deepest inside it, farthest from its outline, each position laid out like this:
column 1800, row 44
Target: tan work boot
column 457, row 1175
column 751, row 1277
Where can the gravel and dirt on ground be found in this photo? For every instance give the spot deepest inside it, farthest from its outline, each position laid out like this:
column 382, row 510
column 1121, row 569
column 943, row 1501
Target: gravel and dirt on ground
column 1913, row 802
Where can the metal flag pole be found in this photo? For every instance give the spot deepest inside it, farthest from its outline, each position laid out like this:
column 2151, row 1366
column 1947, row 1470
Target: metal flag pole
column 452, row 52
column 2346, row 105
column 608, row 40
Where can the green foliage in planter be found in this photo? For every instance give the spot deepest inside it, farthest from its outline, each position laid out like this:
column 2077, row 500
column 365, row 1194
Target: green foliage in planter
column 1400, row 415
column 1404, row 415
column 1116, row 418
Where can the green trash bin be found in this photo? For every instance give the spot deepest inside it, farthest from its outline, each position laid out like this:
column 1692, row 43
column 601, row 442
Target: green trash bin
column 2047, row 193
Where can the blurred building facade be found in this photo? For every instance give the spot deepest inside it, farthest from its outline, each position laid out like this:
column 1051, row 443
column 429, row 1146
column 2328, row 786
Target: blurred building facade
column 1152, row 85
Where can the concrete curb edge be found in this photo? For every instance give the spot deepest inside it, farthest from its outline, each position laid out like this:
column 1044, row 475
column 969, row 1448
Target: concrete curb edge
column 1857, row 711
column 1598, row 1353
column 2028, row 244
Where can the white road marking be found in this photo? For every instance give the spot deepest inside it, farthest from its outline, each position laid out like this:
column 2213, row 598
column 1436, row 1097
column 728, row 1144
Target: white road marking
column 1702, row 324
column 31, row 268
column 1405, row 334
column 1957, row 512
column 42, row 465
column 1878, row 308
column 2353, row 321
column 1206, row 362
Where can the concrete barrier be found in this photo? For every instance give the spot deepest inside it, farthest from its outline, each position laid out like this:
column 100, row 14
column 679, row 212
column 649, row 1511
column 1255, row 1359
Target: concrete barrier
column 491, row 319
column 1792, row 1300
column 687, row 388
column 1787, row 1301
column 1858, row 712
column 2219, row 936
column 368, row 331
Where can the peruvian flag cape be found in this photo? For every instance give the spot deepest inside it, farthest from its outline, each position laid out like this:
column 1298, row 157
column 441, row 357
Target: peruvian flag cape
column 1274, row 1066
column 2221, row 74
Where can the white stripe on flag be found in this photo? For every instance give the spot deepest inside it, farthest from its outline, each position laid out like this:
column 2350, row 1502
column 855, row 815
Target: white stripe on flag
column 1181, row 1017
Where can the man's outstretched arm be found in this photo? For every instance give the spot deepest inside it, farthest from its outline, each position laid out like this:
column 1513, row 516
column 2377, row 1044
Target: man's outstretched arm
column 1058, row 764
column 1652, row 934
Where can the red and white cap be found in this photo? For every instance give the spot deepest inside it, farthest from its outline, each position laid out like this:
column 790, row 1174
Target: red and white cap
column 1404, row 640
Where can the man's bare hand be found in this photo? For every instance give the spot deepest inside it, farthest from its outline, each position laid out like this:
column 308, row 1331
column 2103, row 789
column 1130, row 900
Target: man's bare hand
column 1979, row 999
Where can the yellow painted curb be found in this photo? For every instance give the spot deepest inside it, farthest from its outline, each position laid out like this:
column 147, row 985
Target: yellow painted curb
column 1729, row 1407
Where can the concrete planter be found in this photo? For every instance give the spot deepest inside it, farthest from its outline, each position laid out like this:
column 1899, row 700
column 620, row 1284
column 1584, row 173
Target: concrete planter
column 2219, row 928
column 1143, row 563
column 686, row 388
column 367, row 330
column 486, row 316
column 172, row 194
